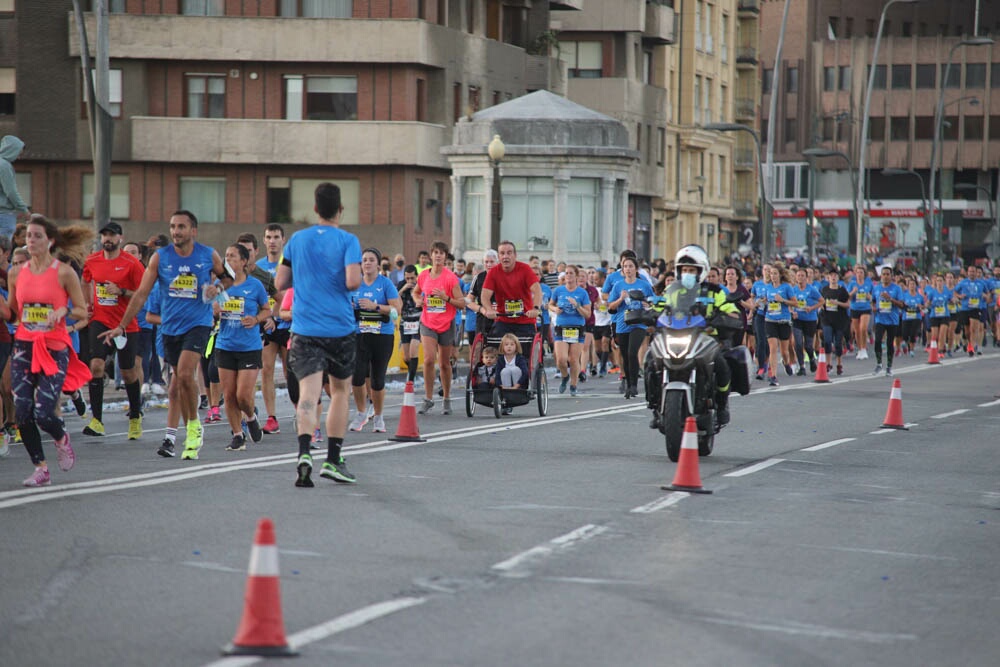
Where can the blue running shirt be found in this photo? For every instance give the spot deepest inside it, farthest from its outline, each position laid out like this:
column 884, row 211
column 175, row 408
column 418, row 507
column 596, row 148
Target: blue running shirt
column 247, row 298
column 322, row 304
column 181, row 280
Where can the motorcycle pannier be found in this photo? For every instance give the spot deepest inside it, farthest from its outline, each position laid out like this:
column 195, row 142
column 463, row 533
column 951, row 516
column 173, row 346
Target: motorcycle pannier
column 740, row 363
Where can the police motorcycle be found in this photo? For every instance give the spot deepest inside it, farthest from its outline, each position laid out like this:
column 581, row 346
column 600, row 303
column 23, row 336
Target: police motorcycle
column 679, row 366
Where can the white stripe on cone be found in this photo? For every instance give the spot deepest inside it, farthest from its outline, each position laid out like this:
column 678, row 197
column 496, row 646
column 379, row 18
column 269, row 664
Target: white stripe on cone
column 690, row 439
column 896, row 394
column 263, row 561
column 408, row 400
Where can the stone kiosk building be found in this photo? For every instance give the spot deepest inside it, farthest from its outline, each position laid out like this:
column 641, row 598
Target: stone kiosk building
column 565, row 180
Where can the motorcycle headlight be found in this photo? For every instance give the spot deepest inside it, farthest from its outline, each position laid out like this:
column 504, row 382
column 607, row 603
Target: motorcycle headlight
column 677, row 346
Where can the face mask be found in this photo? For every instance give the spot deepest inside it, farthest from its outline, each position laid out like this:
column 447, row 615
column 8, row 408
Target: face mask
column 399, row 264
column 230, row 270
column 689, row 280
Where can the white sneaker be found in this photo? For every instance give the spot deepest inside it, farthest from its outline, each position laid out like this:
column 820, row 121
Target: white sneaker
column 159, row 390
column 378, row 424
column 371, row 411
column 358, row 422
column 4, row 448
column 863, row 353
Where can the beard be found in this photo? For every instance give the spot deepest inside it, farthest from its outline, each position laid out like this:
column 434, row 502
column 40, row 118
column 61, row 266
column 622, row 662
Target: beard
column 110, row 246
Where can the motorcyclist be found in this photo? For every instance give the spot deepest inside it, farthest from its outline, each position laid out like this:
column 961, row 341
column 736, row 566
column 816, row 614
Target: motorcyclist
column 692, row 265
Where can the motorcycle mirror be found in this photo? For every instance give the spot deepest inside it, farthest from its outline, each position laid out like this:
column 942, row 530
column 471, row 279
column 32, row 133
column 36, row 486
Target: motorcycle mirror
column 637, row 294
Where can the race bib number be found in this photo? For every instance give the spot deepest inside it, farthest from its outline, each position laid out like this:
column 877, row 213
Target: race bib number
column 974, row 302
column 885, row 306
column 35, row 316
column 773, row 307
column 911, row 314
column 940, row 311
column 369, row 326
column 184, row 286
column 570, row 335
column 862, row 296
column 602, row 307
column 104, row 297
column 435, row 304
column 801, row 303
column 232, row 309
column 513, row 308
column 411, row 328
column 831, row 307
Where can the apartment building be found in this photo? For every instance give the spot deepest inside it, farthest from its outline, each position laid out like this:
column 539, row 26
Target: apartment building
column 821, row 84
column 236, row 109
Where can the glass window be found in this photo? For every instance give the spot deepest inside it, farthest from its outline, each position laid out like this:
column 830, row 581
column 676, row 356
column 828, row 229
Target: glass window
column 475, row 211
column 206, row 95
column 8, row 91
column 582, row 214
column 321, row 97
column 293, row 199
column 975, row 75
column 973, row 127
column 923, row 128
column 832, row 24
column 879, row 83
column 876, row 128
column 829, row 78
column 766, row 81
column 661, row 146
column 791, row 129
column 585, row 60
column 792, row 80
column 899, row 128
column 949, row 129
column 995, row 75
column 23, row 181
column 203, row 8
column 418, row 204
column 954, row 79
column 119, row 208
column 901, row 77
column 293, row 97
column 994, row 135
column 927, row 76
column 114, row 91
column 528, row 210
column 316, row 9
column 845, row 77
column 828, row 125
column 205, row 197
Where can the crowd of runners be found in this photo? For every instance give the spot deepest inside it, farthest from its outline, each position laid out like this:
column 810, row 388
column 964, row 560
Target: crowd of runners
column 175, row 317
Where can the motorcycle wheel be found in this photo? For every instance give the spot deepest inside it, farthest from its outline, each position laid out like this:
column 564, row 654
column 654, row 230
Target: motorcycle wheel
column 672, row 420
column 706, row 442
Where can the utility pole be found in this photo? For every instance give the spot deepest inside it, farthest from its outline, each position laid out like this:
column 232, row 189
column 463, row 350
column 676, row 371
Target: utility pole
column 98, row 90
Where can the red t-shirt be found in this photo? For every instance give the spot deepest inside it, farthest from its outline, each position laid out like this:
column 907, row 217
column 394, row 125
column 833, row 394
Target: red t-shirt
column 512, row 292
column 125, row 271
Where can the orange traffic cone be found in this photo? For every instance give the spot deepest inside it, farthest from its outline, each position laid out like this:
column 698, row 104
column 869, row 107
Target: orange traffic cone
column 934, row 357
column 262, row 630
column 687, row 477
column 822, row 375
column 407, row 430
column 894, row 415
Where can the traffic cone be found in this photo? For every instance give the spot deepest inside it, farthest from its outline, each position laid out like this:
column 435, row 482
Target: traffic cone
column 934, row 357
column 822, row 375
column 894, row 415
column 687, row 477
column 262, row 630
column 407, row 430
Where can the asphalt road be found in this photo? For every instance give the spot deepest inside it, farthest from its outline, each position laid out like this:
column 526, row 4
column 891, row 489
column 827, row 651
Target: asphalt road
column 527, row 541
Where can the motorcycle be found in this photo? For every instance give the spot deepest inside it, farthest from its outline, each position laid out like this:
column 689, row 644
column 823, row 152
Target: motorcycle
column 680, row 363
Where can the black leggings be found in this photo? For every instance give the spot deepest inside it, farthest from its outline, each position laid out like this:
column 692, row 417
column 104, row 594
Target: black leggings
column 804, row 332
column 909, row 331
column 890, row 332
column 629, row 344
column 833, row 340
column 373, row 352
column 36, row 397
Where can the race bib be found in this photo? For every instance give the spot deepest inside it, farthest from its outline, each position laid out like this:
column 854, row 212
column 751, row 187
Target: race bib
column 862, row 296
column 104, row 297
column 370, row 326
column 939, row 311
column 773, row 307
column 184, row 286
column 801, row 303
column 831, row 307
column 513, row 308
column 974, row 302
column 570, row 335
column 35, row 316
column 232, row 309
column 602, row 307
column 411, row 328
column 885, row 306
column 435, row 304
column 911, row 314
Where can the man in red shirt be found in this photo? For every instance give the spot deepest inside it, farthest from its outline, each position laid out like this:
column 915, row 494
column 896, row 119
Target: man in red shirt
column 110, row 278
column 513, row 287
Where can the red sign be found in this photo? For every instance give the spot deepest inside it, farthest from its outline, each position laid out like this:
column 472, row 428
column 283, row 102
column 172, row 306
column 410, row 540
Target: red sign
column 974, row 213
column 895, row 213
column 788, row 213
column 832, row 213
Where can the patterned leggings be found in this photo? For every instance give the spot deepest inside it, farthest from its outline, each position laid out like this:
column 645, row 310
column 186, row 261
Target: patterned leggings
column 36, row 398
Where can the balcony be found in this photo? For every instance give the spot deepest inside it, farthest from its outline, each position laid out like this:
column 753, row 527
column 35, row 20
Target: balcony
column 252, row 141
column 745, row 108
column 604, row 16
column 743, row 159
column 660, row 24
column 566, row 5
column 748, row 7
column 743, row 208
column 624, row 99
column 746, row 56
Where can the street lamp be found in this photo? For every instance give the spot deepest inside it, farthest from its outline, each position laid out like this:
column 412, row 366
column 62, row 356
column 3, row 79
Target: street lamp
column 764, row 218
column 496, row 150
column 863, row 140
column 825, row 152
column 892, row 171
column 969, row 187
column 972, row 41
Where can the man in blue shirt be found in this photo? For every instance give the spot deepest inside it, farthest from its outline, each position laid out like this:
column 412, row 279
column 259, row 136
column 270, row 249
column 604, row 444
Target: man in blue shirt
column 887, row 300
column 323, row 264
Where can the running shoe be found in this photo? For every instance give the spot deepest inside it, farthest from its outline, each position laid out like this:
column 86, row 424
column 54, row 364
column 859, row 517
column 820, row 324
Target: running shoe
column 253, row 428
column 338, row 472
column 760, row 373
column 812, row 365
column 863, row 353
column 203, row 403
column 949, row 354
column 773, row 380
column 358, row 422
column 614, row 369
column 371, row 409
column 81, row 407
column 563, row 384
column 135, row 428
column 38, row 478
column 194, row 437
column 271, row 426
column 582, row 376
column 304, row 471
column 213, row 416
column 621, row 386
column 166, row 449
column 65, row 453
column 425, row 407
column 593, row 370
column 572, row 391
column 788, row 370
column 801, row 372
column 95, row 427
column 979, row 352
column 158, row 389
column 888, row 371
column 238, row 444
column 445, row 407
column 878, row 369
column 317, row 436
column 189, row 454
column 507, row 411
column 602, row 373
column 840, row 369
column 911, row 353
column 378, row 424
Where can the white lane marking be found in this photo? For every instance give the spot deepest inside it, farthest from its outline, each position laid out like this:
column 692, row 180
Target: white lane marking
column 796, row 628
column 878, row 552
column 754, row 468
column 988, row 405
column 659, row 504
column 824, row 445
column 597, row 582
column 215, row 567
column 945, row 415
column 332, row 627
column 550, row 548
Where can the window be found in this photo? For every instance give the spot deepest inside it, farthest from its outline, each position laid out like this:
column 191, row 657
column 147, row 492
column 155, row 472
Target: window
column 707, row 28
column 475, row 213
column 927, row 76
column 584, row 59
column 954, row 77
column 832, row 25
column 723, row 106
column 114, row 6
column 724, row 39
column 456, row 101
column 203, row 8
column 791, row 180
column 973, row 127
column 791, row 129
column 318, row 9
column 949, row 129
column 114, row 92
column 876, row 128
column 923, row 128
column 792, row 80
column 418, row 204
column 661, row 146
column 205, row 197
column 293, row 199
column 422, row 100
column 205, row 95
column 720, row 171
column 975, row 75
column 845, row 77
column 899, row 128
column 583, row 214
column 528, row 210
column 707, row 103
column 848, row 28
column 6, row 5
column 828, row 127
column 439, row 207
column 647, row 67
column 879, row 83
column 901, row 77
column 994, row 135
column 869, row 27
column 474, row 99
column 995, row 75
column 119, row 196
column 907, row 30
column 697, row 25
column 766, row 81
column 829, row 78
column 321, row 97
column 697, row 98
column 8, row 91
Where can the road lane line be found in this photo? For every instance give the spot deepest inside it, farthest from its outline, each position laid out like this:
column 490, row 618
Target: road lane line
column 832, row 443
column 550, row 548
column 332, row 627
column 953, row 413
column 988, row 405
column 754, row 468
column 659, row 504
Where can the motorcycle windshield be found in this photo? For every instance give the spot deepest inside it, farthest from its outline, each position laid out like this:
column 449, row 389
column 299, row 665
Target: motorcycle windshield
column 682, row 302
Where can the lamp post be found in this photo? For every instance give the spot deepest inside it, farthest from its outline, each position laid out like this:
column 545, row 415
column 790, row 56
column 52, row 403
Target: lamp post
column 968, row 187
column 863, row 139
column 825, row 152
column 496, row 150
column 937, row 221
column 892, row 171
column 768, row 248
column 764, row 217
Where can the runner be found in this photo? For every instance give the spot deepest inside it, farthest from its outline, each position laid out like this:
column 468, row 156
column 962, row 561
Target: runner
column 836, row 319
column 409, row 322
column 860, row 288
column 324, row 264
column 759, row 292
column 889, row 301
column 43, row 364
column 242, row 309
column 515, row 296
column 571, row 305
column 805, row 318
column 588, row 355
column 376, row 302
column 276, row 330
column 602, row 326
column 630, row 336
column 777, row 297
column 913, row 306
column 185, row 273
column 110, row 278
column 740, row 296
column 439, row 292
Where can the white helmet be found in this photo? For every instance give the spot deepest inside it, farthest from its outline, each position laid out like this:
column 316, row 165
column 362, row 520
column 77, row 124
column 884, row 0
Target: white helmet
column 692, row 255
